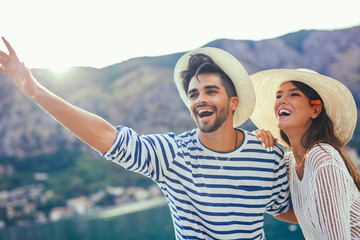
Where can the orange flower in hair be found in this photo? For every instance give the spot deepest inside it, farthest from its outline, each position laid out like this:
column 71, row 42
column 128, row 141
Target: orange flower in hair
column 315, row 102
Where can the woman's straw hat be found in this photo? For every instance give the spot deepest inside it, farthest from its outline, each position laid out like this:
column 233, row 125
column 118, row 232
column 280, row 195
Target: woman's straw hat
column 236, row 72
column 337, row 99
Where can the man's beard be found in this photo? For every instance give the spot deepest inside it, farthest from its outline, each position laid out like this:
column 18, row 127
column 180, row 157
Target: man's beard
column 220, row 119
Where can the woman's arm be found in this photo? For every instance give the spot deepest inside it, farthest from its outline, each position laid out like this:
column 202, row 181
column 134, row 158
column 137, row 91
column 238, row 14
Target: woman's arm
column 288, row 216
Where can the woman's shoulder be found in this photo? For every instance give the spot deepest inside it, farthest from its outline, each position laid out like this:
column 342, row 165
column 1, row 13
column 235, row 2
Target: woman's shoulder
column 322, row 154
column 321, row 148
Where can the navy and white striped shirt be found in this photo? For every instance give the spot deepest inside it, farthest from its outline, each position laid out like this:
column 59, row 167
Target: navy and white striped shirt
column 208, row 201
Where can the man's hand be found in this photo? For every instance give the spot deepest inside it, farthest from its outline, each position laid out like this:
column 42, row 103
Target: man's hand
column 16, row 70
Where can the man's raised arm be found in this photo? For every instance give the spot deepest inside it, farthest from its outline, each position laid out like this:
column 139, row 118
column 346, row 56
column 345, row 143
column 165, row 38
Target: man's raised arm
column 90, row 128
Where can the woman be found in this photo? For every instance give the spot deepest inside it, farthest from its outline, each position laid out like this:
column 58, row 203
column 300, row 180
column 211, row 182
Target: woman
column 315, row 116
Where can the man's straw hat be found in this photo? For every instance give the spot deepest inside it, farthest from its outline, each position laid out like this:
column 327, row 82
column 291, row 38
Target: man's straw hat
column 236, row 72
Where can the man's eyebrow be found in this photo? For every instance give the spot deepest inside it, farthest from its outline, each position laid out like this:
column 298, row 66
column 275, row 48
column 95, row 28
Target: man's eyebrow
column 192, row 90
column 212, row 86
column 206, row 87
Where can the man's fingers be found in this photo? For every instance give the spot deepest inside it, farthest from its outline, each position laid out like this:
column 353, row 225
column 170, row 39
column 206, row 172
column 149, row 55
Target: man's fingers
column 3, row 57
column 3, row 70
column 10, row 49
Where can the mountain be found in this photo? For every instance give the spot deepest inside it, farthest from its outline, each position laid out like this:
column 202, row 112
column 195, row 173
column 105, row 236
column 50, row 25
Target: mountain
column 140, row 92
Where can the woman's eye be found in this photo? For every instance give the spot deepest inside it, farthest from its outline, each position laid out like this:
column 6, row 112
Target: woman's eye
column 278, row 96
column 295, row 94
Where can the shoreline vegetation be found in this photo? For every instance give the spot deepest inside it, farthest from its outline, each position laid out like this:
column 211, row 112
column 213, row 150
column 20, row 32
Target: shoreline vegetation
column 105, row 212
column 45, row 189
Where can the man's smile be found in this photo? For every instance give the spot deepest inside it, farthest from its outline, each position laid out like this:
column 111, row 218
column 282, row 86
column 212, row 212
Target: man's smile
column 205, row 112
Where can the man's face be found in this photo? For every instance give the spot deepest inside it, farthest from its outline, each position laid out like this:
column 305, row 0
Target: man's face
column 210, row 106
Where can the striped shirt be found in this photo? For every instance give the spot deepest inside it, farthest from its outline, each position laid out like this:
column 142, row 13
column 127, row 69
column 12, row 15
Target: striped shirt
column 211, row 195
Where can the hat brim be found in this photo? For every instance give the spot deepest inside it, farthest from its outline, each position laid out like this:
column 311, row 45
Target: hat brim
column 236, row 72
column 337, row 99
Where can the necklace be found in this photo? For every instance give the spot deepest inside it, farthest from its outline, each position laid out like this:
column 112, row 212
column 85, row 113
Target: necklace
column 225, row 160
column 302, row 161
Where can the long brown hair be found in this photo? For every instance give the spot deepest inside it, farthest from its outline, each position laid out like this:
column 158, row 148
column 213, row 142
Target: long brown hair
column 322, row 131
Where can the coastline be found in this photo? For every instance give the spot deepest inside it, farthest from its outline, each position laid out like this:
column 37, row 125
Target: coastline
column 128, row 208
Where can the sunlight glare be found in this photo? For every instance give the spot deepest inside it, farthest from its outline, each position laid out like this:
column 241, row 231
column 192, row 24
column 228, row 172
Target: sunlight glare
column 115, row 31
column 60, row 69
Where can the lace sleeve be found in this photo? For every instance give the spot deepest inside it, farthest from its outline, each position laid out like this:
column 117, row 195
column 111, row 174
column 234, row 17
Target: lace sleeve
column 332, row 200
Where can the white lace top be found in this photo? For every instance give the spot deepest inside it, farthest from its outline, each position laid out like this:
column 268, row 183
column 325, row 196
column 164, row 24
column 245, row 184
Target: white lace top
column 326, row 201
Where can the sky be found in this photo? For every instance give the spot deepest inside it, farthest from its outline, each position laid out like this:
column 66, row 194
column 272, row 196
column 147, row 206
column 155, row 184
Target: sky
column 59, row 34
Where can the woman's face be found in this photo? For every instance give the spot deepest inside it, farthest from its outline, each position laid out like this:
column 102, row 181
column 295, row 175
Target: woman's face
column 293, row 111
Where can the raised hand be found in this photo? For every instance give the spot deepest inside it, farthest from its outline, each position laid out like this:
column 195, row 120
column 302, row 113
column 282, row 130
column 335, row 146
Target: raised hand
column 16, row 70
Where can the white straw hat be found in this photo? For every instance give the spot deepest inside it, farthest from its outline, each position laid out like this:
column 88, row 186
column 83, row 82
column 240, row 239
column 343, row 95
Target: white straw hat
column 236, row 72
column 337, row 99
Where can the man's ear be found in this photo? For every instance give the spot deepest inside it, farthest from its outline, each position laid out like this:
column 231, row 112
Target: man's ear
column 234, row 102
column 316, row 111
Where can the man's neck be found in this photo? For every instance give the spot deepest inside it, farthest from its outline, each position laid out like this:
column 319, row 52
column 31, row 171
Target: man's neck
column 222, row 140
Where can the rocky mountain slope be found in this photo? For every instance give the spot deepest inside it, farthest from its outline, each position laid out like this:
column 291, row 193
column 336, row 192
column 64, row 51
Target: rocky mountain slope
column 140, row 92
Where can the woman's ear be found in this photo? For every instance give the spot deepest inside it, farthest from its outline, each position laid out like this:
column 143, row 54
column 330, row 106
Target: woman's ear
column 316, row 111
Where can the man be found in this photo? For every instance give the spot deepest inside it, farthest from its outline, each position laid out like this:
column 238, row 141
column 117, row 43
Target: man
column 218, row 180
